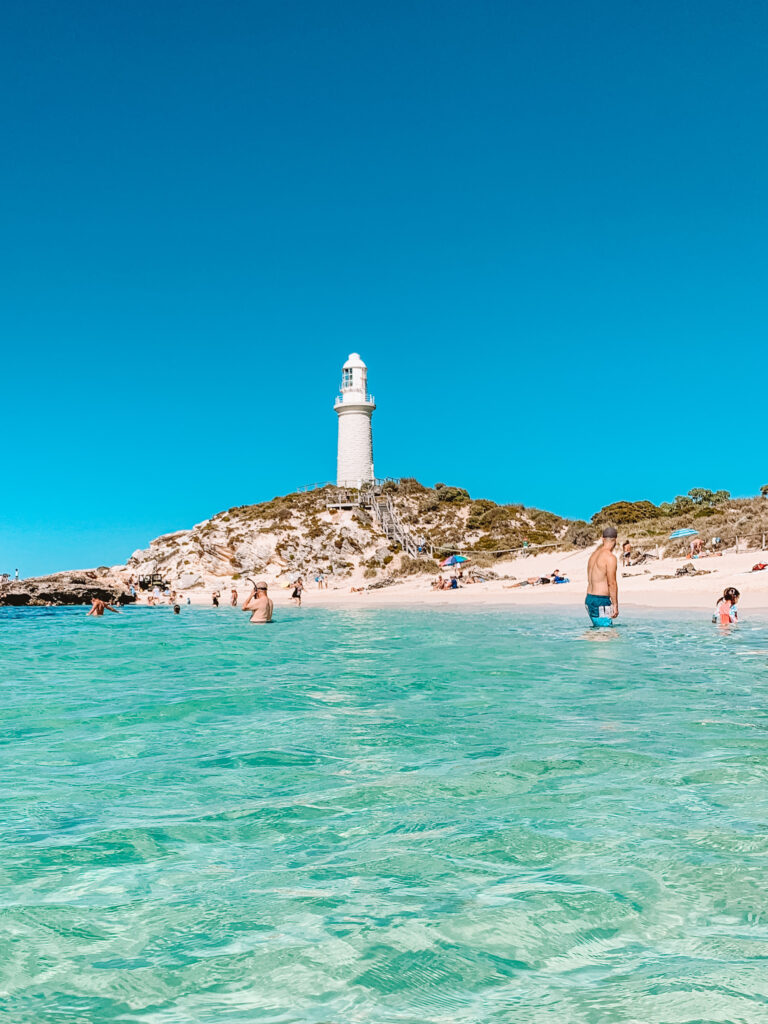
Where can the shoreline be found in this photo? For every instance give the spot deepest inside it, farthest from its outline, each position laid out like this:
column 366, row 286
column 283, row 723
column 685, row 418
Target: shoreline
column 653, row 585
column 637, row 589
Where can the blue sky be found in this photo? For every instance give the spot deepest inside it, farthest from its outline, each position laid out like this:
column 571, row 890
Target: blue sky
column 542, row 225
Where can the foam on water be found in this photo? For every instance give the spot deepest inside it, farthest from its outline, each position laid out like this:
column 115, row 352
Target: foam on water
column 382, row 816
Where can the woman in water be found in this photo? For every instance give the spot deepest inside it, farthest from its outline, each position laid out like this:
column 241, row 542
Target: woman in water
column 726, row 611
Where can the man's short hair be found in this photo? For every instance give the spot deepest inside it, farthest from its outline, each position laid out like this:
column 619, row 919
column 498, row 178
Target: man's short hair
column 261, row 586
column 610, row 531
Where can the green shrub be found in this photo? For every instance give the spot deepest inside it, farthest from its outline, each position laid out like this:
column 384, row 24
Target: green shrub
column 580, row 534
column 621, row 512
column 457, row 495
column 410, row 566
column 409, row 485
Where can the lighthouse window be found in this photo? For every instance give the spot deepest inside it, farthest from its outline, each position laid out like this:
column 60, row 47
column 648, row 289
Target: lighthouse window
column 346, row 378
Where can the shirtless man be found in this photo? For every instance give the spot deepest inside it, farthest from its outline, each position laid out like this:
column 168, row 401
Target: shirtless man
column 234, row 597
column 98, row 607
column 259, row 603
column 602, row 601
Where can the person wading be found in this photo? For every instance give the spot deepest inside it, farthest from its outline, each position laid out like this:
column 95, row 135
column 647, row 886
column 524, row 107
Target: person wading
column 602, row 600
column 259, row 603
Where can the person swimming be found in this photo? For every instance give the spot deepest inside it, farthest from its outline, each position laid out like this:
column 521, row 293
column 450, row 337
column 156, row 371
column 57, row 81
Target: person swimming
column 726, row 611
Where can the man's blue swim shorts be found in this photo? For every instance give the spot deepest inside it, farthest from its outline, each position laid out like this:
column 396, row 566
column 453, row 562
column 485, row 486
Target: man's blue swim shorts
column 599, row 609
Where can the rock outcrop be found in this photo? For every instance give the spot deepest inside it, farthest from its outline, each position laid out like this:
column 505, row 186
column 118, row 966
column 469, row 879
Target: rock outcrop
column 67, row 588
column 285, row 537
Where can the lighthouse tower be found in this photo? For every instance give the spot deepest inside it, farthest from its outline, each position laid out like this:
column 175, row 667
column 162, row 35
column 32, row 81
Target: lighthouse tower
column 354, row 407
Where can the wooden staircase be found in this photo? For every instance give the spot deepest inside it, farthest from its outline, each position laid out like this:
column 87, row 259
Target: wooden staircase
column 381, row 508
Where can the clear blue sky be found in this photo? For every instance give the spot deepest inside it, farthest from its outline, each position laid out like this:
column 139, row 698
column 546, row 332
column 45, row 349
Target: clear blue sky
column 543, row 225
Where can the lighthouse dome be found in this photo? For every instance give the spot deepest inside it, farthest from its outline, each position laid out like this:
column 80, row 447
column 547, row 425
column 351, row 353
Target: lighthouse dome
column 354, row 363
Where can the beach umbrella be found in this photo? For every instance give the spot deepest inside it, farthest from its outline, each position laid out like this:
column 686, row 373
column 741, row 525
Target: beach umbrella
column 683, row 533
column 454, row 560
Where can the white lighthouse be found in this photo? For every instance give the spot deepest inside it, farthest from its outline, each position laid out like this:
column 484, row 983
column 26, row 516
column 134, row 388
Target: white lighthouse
column 354, row 406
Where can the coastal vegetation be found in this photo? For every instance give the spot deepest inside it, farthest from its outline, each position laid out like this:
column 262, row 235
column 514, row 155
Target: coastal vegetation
column 312, row 532
column 304, row 533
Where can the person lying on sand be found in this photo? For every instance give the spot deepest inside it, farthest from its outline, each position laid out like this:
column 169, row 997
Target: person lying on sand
column 98, row 607
column 535, row 581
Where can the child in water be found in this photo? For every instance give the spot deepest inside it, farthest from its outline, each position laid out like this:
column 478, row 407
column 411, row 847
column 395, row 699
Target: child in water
column 725, row 609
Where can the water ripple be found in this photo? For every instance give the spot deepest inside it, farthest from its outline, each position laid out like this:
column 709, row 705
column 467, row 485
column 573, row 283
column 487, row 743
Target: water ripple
column 382, row 817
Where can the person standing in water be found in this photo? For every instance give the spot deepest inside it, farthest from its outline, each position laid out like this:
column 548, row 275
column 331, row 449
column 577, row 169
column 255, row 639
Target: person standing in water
column 259, row 603
column 602, row 601
column 234, row 597
column 726, row 611
column 98, row 607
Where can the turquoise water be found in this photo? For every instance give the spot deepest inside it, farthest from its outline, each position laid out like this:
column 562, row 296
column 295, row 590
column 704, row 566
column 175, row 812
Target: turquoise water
column 382, row 816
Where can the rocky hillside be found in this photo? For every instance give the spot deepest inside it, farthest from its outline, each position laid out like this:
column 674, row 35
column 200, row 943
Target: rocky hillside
column 304, row 534
column 300, row 533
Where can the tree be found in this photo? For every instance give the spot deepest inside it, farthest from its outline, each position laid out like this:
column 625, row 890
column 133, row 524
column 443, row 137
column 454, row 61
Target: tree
column 701, row 495
column 682, row 503
column 704, row 496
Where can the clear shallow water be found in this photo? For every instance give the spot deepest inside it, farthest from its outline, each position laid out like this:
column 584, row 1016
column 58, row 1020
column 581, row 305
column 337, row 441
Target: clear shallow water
column 382, row 816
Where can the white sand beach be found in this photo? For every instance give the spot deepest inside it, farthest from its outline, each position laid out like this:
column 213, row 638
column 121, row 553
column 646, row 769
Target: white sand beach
column 636, row 586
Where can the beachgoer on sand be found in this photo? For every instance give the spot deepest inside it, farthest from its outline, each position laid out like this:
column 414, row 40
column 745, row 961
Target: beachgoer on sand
column 234, row 597
column 726, row 611
column 298, row 587
column 215, row 598
column 602, row 600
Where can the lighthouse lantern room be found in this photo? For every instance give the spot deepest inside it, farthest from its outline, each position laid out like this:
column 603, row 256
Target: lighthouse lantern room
column 354, row 407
